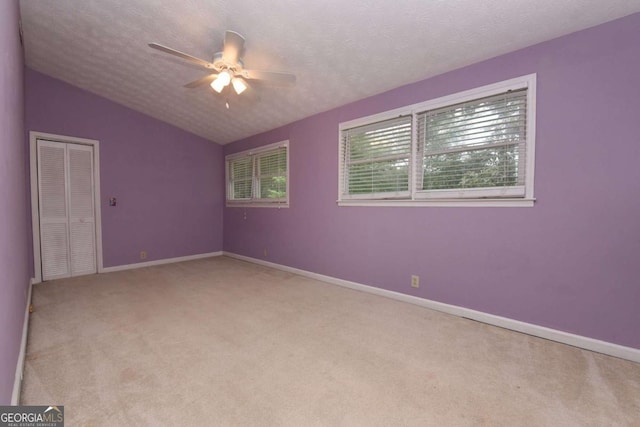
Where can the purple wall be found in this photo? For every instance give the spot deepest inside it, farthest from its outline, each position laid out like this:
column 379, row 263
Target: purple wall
column 14, row 269
column 569, row 263
column 168, row 182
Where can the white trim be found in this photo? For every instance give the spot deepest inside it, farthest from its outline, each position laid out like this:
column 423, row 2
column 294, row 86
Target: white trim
column 529, row 173
column 615, row 350
column 526, row 81
column 248, row 204
column 17, row 384
column 98, row 208
column 160, row 262
column 478, row 193
column 258, row 150
column 35, row 218
column 480, row 203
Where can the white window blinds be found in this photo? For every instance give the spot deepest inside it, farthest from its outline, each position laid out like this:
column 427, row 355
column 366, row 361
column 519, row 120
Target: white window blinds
column 479, row 145
column 375, row 159
column 241, row 171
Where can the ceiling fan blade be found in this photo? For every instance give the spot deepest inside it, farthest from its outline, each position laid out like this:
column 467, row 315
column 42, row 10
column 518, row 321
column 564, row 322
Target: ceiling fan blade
column 205, row 80
column 269, row 76
column 233, row 44
column 179, row 54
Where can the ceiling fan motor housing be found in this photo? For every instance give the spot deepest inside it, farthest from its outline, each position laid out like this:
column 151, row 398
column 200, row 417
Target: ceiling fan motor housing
column 219, row 64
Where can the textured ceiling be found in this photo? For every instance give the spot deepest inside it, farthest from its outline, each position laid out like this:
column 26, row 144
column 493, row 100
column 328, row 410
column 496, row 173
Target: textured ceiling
column 340, row 51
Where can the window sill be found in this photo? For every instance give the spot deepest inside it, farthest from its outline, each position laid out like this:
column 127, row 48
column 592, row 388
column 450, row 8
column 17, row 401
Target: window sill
column 256, row 205
column 491, row 203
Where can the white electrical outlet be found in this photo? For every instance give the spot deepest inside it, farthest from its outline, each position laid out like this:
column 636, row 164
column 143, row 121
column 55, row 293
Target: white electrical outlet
column 264, row 252
column 415, row 281
column 143, row 254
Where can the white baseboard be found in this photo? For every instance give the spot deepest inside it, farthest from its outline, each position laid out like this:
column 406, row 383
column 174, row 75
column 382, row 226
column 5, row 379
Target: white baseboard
column 17, row 384
column 159, row 262
column 586, row 343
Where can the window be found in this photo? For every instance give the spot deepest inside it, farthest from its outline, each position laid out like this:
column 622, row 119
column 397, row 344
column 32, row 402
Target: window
column 259, row 177
column 473, row 148
column 377, row 158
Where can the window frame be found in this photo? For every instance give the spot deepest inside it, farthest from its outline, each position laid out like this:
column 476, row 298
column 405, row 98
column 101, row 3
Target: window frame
column 254, row 154
column 422, row 198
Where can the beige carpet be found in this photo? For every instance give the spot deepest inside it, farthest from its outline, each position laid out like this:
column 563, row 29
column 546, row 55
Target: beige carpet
column 224, row 342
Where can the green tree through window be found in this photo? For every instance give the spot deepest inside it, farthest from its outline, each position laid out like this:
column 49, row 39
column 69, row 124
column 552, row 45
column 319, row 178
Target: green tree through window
column 273, row 174
column 476, row 144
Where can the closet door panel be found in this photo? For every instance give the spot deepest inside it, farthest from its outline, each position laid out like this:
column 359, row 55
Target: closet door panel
column 55, row 256
column 83, row 259
column 52, row 201
column 81, row 209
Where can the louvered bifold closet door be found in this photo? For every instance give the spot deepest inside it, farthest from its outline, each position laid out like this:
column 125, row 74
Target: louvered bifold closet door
column 52, row 189
column 82, row 241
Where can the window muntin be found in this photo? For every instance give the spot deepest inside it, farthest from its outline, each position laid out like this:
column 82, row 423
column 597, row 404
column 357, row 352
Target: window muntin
column 473, row 146
column 259, row 177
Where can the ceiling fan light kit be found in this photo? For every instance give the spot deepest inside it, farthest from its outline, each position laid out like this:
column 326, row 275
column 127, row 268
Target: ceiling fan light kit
column 239, row 85
column 218, row 85
column 224, row 77
column 221, row 81
column 227, row 67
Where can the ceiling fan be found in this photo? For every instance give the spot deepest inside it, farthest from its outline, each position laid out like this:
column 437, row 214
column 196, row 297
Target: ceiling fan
column 227, row 67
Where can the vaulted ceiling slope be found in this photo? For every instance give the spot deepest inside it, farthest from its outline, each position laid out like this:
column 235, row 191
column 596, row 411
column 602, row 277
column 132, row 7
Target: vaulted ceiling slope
column 340, row 51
